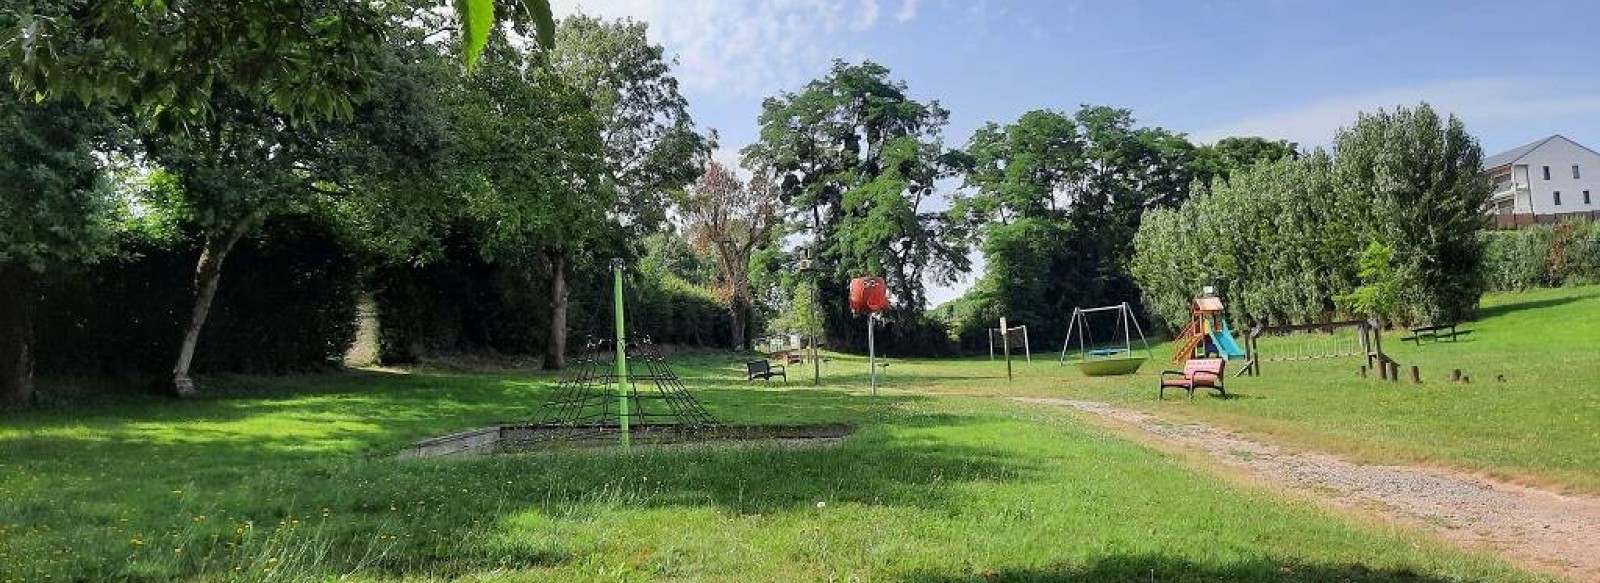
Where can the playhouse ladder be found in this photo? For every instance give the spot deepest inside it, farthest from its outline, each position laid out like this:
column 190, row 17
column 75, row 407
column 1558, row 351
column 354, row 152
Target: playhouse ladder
column 1190, row 338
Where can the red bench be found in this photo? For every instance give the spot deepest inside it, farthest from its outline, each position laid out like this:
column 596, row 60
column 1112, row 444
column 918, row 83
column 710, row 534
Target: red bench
column 1197, row 373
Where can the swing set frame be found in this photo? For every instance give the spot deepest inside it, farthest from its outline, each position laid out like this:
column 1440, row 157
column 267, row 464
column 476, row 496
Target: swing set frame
column 1105, row 361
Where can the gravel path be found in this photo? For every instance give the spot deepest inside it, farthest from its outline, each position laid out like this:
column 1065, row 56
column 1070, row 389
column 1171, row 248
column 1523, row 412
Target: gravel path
column 1550, row 532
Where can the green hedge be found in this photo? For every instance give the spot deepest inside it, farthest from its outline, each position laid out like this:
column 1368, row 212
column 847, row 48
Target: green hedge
column 286, row 304
column 1542, row 256
column 463, row 304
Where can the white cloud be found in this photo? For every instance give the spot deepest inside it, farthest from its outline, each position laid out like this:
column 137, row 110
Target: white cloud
column 1478, row 102
column 908, row 11
column 738, row 47
column 868, row 16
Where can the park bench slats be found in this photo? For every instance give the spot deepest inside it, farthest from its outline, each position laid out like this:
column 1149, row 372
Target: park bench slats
column 761, row 369
column 1197, row 373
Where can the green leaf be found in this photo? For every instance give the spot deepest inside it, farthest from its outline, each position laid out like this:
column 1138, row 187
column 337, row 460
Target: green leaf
column 476, row 16
column 544, row 21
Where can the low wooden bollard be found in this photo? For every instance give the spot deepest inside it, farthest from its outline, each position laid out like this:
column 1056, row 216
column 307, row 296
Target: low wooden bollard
column 1362, row 371
column 1455, row 375
column 1416, row 375
column 1394, row 372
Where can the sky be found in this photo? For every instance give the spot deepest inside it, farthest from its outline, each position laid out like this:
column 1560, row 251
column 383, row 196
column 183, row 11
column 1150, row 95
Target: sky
column 1298, row 70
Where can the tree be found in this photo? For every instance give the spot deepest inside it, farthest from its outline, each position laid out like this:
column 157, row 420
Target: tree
column 1233, row 154
column 303, row 59
column 1379, row 292
column 731, row 219
column 1055, row 201
column 855, row 158
column 1022, row 170
column 55, row 210
column 1419, row 174
column 650, row 143
column 532, row 164
column 235, row 98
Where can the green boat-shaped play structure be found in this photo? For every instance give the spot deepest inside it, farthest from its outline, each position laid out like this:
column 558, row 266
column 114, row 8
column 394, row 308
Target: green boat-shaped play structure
column 1111, row 359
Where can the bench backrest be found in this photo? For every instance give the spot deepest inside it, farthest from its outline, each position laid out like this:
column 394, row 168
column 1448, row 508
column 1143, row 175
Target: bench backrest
column 1208, row 365
column 757, row 367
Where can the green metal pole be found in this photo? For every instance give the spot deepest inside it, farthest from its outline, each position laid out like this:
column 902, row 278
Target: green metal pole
column 623, row 384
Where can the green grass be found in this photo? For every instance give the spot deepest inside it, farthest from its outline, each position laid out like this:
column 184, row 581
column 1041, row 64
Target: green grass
column 1540, row 425
column 294, row 478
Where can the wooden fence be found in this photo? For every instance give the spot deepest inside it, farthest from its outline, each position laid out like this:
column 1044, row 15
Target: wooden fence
column 1517, row 221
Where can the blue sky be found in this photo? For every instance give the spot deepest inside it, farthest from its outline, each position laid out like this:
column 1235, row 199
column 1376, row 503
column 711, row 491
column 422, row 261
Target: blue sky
column 1290, row 69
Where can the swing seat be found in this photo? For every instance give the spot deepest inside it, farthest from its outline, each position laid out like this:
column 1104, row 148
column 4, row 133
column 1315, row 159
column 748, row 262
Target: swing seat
column 1106, row 367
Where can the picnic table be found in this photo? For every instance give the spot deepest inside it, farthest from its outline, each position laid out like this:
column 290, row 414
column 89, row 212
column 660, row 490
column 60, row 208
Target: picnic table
column 1435, row 332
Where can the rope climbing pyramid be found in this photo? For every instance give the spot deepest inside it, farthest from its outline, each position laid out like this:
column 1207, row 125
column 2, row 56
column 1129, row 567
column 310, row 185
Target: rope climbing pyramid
column 594, row 401
column 602, row 396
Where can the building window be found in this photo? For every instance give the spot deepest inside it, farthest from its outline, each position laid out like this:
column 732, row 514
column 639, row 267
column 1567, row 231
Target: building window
column 1585, row 197
column 1575, row 172
column 1546, row 172
column 1558, row 198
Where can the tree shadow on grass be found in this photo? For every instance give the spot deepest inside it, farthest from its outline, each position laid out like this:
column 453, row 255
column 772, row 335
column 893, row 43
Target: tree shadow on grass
column 1148, row 568
column 1513, row 307
column 450, row 509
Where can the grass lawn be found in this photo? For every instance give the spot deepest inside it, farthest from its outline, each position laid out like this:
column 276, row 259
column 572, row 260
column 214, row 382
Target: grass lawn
column 1541, row 425
column 293, row 478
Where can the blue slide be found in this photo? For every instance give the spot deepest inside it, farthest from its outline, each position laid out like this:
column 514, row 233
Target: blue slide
column 1223, row 340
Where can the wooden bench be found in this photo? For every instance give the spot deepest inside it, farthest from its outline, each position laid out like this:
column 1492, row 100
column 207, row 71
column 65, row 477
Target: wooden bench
column 761, row 369
column 1434, row 332
column 788, row 356
column 1197, row 373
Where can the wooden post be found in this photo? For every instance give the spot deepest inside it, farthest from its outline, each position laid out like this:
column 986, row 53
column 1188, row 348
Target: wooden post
column 1362, row 371
column 1377, row 340
column 1455, row 375
column 1416, row 375
column 1394, row 372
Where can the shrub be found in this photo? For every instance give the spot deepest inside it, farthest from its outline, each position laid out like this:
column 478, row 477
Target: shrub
column 1542, row 255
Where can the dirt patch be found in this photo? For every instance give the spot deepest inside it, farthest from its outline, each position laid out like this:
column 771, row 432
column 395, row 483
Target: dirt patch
column 1543, row 530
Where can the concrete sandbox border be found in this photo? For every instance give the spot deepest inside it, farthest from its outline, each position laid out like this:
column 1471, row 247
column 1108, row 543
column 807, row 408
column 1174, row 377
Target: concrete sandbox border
column 527, row 438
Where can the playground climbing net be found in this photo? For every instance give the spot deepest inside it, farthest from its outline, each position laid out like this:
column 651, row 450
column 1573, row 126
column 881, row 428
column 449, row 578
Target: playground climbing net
column 589, row 400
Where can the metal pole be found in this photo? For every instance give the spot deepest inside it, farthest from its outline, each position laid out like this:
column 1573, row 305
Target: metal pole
column 816, row 357
column 1127, row 335
column 1025, row 347
column 1005, row 343
column 872, row 357
column 623, row 383
column 991, row 344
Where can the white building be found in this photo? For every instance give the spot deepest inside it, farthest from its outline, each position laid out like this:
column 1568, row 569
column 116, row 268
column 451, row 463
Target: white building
column 1552, row 176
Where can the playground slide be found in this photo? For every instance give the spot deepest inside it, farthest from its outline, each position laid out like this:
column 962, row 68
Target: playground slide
column 1223, row 339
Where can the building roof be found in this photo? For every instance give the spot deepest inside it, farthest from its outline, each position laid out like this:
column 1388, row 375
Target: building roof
column 1514, row 154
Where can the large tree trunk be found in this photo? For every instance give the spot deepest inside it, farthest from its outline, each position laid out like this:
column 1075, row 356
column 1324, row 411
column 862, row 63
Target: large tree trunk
column 738, row 308
column 16, row 334
column 555, row 351
column 207, row 275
